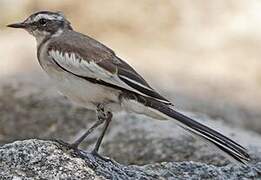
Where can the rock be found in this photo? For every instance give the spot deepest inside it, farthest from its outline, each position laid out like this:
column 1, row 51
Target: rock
column 39, row 159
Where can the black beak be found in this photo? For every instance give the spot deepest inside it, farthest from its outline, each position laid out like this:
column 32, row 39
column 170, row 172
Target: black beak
column 17, row 25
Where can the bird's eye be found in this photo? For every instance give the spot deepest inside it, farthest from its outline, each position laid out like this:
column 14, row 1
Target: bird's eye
column 42, row 21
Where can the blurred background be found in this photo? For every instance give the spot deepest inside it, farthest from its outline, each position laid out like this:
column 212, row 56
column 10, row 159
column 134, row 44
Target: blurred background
column 203, row 55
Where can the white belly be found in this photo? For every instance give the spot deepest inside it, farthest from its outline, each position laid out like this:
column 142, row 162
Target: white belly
column 85, row 93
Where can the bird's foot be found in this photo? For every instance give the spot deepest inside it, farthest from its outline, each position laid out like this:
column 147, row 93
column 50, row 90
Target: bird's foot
column 96, row 154
column 67, row 145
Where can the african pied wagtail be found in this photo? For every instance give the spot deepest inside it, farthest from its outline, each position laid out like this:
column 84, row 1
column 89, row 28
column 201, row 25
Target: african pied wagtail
column 90, row 74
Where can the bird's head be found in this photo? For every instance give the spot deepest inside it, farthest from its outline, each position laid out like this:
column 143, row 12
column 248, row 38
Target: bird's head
column 43, row 24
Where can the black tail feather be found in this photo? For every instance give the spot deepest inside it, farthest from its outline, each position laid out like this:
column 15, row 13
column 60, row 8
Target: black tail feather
column 225, row 144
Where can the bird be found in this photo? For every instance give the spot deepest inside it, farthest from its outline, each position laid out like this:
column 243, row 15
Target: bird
column 91, row 74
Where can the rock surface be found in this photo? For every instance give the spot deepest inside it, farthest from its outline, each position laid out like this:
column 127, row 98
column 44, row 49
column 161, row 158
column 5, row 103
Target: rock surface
column 39, row 159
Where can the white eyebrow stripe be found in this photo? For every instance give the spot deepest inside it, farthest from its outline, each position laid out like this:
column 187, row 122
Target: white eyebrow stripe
column 48, row 16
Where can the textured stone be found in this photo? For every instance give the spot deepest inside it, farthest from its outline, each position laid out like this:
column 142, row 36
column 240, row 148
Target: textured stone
column 38, row 159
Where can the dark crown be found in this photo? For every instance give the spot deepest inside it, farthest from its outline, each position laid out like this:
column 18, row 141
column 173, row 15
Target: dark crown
column 48, row 21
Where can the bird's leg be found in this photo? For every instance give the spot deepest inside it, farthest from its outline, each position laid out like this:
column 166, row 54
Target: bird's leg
column 108, row 119
column 78, row 141
column 106, row 125
column 101, row 119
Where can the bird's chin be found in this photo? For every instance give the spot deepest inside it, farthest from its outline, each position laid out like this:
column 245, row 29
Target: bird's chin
column 30, row 32
column 37, row 34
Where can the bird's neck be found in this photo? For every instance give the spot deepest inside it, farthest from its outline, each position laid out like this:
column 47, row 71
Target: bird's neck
column 41, row 39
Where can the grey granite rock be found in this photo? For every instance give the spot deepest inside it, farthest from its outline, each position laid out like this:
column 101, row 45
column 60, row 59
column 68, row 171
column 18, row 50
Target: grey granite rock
column 38, row 159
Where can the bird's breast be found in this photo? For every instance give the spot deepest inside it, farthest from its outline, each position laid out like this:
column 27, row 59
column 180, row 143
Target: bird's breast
column 77, row 89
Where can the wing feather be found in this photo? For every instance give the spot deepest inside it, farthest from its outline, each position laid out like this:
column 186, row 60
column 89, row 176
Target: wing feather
column 85, row 57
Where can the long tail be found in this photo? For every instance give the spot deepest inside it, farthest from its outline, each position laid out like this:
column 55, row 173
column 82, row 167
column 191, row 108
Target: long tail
column 228, row 146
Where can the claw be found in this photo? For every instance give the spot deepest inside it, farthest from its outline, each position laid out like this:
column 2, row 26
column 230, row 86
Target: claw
column 96, row 154
column 68, row 145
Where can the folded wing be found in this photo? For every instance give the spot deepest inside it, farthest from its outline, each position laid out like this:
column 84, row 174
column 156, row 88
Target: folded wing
column 96, row 61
